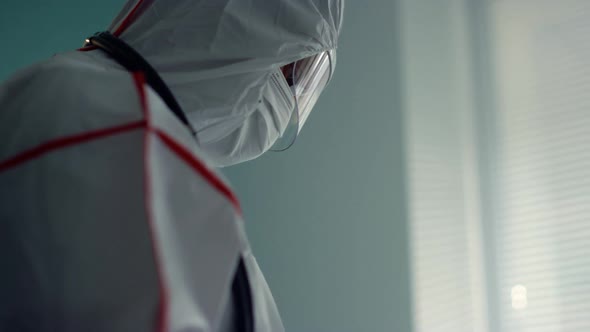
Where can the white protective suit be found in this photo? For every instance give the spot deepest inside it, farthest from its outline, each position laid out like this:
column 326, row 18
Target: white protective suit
column 112, row 217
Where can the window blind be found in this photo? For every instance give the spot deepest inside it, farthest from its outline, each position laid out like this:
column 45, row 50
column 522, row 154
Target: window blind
column 541, row 166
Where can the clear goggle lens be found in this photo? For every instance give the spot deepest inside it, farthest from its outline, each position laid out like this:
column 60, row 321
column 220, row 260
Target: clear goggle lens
column 307, row 78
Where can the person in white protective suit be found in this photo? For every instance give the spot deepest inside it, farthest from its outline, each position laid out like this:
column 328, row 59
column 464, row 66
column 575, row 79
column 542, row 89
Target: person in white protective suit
column 112, row 215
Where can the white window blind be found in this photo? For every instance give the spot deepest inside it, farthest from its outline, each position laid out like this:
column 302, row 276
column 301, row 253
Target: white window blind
column 541, row 167
column 445, row 233
column 499, row 210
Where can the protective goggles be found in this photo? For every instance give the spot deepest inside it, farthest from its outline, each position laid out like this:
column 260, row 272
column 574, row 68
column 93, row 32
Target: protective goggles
column 307, row 79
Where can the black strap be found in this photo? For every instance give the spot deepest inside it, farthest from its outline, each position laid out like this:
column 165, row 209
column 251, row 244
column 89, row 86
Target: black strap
column 129, row 58
column 242, row 296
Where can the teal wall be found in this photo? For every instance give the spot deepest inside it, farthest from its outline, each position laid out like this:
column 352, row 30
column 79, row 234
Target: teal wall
column 33, row 30
column 327, row 218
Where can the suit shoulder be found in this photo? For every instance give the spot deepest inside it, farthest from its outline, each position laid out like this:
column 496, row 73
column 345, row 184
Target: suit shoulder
column 58, row 98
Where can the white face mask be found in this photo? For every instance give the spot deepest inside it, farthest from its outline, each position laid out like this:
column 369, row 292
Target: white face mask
column 217, row 60
column 256, row 133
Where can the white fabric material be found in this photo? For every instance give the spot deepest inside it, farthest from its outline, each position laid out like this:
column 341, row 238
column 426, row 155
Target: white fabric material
column 218, row 58
column 74, row 244
column 196, row 293
column 88, row 228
